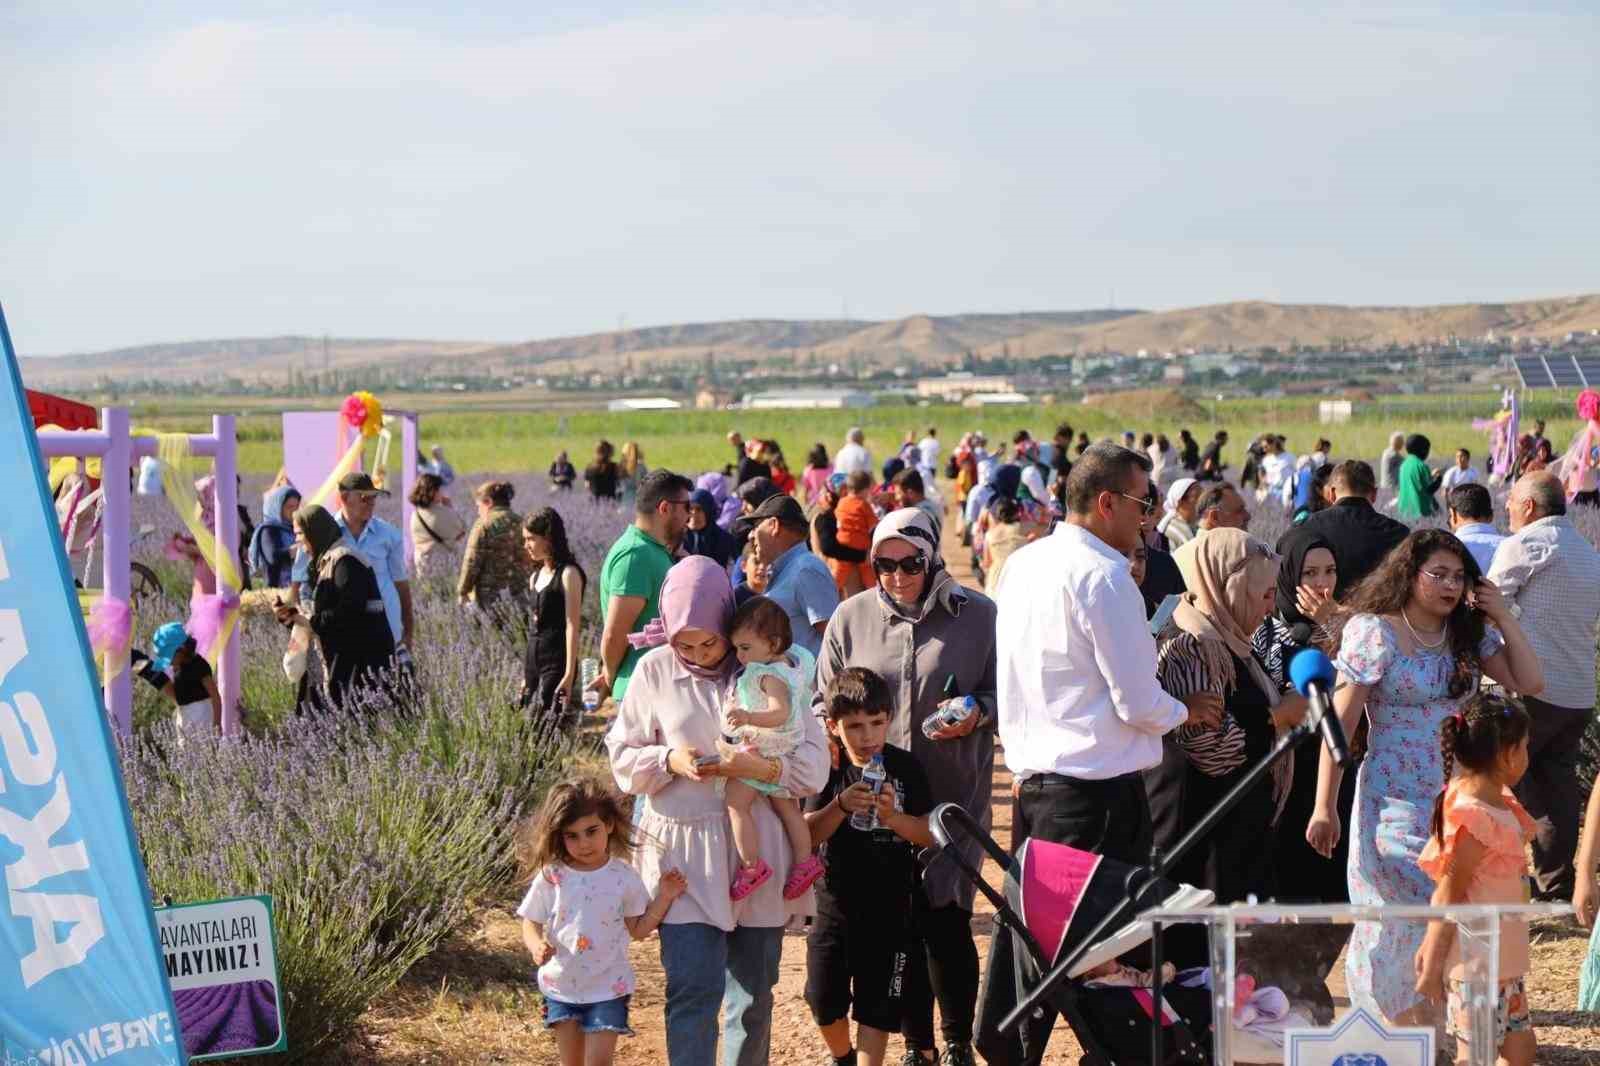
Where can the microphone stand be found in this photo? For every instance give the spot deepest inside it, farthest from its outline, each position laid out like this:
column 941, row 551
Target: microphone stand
column 1144, row 878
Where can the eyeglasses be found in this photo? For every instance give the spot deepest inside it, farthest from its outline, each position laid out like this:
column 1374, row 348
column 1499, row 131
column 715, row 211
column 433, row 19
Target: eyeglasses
column 911, row 565
column 1146, row 504
column 1448, row 580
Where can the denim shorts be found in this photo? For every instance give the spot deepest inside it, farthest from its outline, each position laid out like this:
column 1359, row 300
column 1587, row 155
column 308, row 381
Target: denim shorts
column 607, row 1016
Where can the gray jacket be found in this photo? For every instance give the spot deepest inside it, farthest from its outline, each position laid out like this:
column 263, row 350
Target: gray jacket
column 916, row 656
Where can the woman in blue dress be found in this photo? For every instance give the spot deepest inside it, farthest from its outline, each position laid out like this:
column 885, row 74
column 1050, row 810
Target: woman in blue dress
column 1421, row 630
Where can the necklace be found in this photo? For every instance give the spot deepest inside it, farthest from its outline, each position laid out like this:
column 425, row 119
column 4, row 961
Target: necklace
column 1444, row 634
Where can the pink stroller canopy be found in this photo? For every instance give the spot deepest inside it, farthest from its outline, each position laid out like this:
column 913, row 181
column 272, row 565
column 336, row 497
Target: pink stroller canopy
column 1061, row 893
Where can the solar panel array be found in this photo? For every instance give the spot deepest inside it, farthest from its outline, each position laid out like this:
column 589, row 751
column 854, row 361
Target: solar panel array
column 1533, row 372
column 1589, row 367
column 1565, row 372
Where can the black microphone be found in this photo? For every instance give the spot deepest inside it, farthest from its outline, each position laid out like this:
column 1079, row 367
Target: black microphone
column 1312, row 674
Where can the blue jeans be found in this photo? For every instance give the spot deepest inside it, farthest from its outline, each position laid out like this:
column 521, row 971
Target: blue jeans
column 708, row 969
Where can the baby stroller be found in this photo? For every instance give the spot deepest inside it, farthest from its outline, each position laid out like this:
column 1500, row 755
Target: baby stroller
column 1055, row 895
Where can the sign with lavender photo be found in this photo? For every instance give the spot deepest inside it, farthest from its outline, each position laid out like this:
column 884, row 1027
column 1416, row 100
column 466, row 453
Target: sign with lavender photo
column 222, row 961
column 80, row 971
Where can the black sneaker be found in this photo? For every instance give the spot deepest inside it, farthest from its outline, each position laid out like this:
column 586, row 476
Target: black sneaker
column 915, row 1058
column 956, row 1055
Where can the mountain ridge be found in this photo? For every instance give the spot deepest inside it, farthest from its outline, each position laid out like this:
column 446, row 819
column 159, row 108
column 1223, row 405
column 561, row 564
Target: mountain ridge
column 932, row 341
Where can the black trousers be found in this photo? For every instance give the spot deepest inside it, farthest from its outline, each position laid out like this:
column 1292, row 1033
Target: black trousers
column 1550, row 792
column 942, row 964
column 1111, row 818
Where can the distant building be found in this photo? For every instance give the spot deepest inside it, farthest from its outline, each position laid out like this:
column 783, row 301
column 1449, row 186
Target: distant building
column 644, row 403
column 814, row 399
column 954, row 387
column 995, row 399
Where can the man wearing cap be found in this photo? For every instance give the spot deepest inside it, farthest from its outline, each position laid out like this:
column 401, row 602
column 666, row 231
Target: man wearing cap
column 380, row 544
column 795, row 579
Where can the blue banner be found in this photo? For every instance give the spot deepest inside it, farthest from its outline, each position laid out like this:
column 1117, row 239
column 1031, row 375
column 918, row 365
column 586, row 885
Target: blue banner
column 81, row 973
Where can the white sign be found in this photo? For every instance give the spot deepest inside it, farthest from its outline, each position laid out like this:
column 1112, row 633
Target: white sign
column 222, row 962
column 1358, row 1039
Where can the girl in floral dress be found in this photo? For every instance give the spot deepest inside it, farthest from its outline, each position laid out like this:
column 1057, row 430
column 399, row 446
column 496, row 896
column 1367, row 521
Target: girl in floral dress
column 1421, row 630
column 583, row 907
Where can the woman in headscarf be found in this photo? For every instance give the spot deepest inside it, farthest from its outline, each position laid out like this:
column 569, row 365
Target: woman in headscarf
column 931, row 640
column 1303, row 606
column 347, row 612
column 825, row 539
column 1418, row 483
column 720, row 958
column 704, row 536
column 1232, row 582
column 272, row 544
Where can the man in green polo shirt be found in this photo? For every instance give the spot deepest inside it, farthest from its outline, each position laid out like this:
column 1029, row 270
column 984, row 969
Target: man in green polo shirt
column 635, row 567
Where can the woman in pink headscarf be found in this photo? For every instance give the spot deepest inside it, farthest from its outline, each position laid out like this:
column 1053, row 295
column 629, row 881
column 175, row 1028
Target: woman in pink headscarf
column 720, row 957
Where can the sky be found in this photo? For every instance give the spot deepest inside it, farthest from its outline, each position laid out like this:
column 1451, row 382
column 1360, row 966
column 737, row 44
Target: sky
column 180, row 171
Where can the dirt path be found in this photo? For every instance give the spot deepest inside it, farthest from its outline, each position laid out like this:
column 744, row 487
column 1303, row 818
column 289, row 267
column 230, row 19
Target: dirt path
column 795, row 1035
column 474, row 1002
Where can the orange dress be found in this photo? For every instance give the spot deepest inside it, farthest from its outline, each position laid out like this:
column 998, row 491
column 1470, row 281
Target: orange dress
column 1500, row 878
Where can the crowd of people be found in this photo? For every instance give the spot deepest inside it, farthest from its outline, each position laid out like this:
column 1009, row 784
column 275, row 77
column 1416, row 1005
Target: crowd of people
column 796, row 680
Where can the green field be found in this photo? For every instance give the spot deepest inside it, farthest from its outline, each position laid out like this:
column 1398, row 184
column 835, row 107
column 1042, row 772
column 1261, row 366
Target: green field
column 491, row 439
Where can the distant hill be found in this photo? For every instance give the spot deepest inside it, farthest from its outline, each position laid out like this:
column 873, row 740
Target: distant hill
column 931, row 340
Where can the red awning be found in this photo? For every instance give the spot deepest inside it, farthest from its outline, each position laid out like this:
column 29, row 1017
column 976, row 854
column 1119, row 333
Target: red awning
column 48, row 410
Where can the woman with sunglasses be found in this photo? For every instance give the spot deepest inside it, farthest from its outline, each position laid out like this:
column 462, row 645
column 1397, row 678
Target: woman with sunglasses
column 1420, row 631
column 932, row 640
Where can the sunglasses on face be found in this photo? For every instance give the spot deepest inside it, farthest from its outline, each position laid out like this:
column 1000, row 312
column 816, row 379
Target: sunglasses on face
column 911, row 565
column 1146, row 504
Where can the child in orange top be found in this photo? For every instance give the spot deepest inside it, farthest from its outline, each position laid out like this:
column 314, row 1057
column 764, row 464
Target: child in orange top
column 1477, row 854
column 856, row 520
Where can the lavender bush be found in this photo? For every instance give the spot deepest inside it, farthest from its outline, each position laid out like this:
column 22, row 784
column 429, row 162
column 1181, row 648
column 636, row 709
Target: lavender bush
column 372, row 833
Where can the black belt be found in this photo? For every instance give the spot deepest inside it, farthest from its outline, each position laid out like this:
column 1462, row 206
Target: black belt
column 1051, row 782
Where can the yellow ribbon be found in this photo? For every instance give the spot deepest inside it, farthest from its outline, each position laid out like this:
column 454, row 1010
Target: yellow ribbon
column 173, row 451
column 347, row 462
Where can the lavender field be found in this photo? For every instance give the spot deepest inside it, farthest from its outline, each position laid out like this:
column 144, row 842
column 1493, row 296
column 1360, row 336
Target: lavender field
column 374, row 839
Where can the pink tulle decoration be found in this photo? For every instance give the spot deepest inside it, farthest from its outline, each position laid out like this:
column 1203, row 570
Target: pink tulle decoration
column 354, row 412
column 1589, row 405
column 110, row 625
column 207, row 616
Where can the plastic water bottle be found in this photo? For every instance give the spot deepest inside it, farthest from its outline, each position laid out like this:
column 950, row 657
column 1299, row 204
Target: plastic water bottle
column 949, row 712
column 589, row 673
column 873, row 776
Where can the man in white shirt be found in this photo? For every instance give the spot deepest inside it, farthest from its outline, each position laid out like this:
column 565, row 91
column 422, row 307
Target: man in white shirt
column 1472, row 521
column 1080, row 711
column 853, row 457
column 1460, row 474
column 1549, row 574
column 1277, row 472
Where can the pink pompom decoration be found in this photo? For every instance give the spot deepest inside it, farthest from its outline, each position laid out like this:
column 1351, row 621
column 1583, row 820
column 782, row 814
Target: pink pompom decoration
column 354, row 412
column 207, row 616
column 1589, row 405
column 110, row 625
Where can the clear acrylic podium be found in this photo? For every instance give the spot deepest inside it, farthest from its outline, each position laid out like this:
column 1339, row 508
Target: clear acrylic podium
column 1288, row 946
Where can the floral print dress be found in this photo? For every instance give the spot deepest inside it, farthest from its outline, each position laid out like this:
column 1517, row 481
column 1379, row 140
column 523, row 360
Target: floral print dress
column 1402, row 774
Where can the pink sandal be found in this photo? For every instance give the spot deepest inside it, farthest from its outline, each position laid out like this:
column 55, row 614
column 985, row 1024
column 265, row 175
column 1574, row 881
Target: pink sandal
column 750, row 878
column 803, row 876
